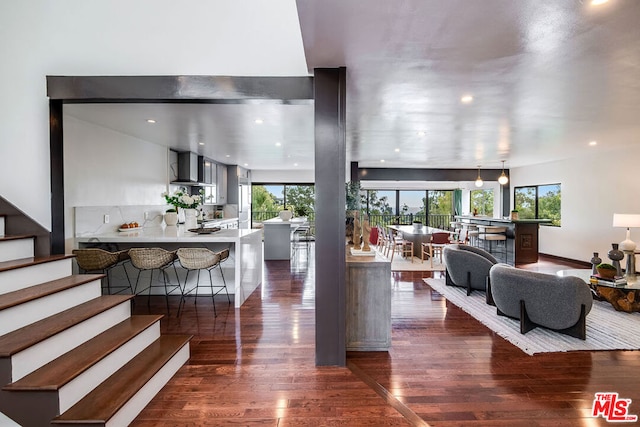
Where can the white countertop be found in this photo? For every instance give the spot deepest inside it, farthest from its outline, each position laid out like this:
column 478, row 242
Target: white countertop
column 293, row 221
column 167, row 234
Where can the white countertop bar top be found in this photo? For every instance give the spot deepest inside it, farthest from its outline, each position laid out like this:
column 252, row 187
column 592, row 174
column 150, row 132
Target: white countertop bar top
column 293, row 221
column 166, row 234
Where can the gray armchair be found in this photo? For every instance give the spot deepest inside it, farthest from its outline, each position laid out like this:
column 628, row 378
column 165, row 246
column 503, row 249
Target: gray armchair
column 468, row 267
column 539, row 299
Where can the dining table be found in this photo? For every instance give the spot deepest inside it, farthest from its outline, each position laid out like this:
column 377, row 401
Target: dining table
column 417, row 235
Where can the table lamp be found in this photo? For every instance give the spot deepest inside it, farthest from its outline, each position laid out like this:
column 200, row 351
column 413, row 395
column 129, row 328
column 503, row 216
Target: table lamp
column 628, row 246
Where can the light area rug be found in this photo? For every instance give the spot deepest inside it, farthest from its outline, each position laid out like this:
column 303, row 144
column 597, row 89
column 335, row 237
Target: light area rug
column 607, row 329
column 404, row 264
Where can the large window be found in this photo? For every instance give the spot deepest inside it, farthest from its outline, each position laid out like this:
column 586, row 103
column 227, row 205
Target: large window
column 539, row 202
column 413, row 206
column 482, row 202
column 432, row 207
column 268, row 200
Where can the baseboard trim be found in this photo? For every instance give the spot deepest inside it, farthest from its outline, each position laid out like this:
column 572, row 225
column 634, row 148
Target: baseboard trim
column 565, row 260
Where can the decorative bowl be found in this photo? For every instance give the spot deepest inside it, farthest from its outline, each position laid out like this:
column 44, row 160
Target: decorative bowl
column 286, row 215
column 606, row 273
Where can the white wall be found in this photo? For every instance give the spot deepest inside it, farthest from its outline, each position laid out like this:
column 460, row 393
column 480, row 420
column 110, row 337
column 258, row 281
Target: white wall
column 594, row 187
column 107, row 168
column 283, row 177
column 122, row 37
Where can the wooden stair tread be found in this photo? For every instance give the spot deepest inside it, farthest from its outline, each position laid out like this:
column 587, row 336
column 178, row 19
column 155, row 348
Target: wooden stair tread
column 104, row 401
column 17, row 237
column 31, row 293
column 62, row 370
column 26, row 262
column 29, row 335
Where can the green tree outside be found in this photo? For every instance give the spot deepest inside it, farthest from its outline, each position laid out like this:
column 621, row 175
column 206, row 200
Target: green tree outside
column 440, row 202
column 263, row 201
column 301, row 199
column 482, row 202
column 525, row 202
column 549, row 203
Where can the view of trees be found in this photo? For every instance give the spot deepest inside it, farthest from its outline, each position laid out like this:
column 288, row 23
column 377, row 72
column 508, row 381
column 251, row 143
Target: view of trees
column 549, row 203
column 482, row 202
column 440, row 202
column 543, row 199
column 298, row 198
column 379, row 205
column 263, row 201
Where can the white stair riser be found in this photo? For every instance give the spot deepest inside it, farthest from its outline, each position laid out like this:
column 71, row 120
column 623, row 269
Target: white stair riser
column 24, row 314
column 75, row 390
column 38, row 355
column 20, row 278
column 16, row 249
column 137, row 403
column 1, row 226
column 7, row 422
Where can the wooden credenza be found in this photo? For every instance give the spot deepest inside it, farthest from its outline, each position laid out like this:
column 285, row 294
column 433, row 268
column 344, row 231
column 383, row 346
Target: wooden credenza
column 368, row 316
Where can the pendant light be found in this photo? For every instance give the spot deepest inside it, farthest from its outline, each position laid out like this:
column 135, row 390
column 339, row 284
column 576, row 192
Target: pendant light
column 503, row 179
column 479, row 181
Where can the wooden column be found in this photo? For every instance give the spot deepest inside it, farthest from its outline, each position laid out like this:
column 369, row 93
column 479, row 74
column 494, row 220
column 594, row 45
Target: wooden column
column 330, row 164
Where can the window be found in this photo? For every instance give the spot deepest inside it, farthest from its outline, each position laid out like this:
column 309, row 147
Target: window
column 440, row 208
column 268, row 200
column 539, row 201
column 412, row 205
column 482, row 202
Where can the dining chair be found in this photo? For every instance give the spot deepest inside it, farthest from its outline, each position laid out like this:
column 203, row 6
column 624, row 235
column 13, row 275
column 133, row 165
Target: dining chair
column 438, row 241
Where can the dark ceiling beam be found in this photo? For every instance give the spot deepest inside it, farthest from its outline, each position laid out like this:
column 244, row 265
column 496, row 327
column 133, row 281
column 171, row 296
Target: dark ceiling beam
column 400, row 174
column 193, row 89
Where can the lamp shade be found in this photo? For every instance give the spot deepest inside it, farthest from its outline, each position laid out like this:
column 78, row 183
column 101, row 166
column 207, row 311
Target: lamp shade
column 626, row 220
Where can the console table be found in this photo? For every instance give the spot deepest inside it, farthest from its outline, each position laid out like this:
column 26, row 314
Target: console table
column 368, row 316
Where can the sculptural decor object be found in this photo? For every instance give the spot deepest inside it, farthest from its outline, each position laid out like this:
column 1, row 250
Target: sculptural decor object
column 615, row 255
column 366, row 233
column 594, row 262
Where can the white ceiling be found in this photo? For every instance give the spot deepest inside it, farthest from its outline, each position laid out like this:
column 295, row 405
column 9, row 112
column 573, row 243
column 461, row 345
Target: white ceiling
column 546, row 76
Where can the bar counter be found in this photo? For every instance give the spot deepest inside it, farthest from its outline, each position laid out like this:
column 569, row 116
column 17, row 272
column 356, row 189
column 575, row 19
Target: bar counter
column 522, row 234
column 243, row 274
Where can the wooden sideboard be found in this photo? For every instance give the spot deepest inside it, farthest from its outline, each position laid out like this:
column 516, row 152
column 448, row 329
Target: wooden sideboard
column 368, row 318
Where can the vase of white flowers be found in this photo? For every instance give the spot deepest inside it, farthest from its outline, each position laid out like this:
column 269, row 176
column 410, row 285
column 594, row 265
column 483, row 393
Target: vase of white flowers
column 188, row 202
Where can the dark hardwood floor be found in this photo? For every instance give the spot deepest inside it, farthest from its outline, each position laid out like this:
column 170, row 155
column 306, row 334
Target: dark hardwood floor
column 255, row 366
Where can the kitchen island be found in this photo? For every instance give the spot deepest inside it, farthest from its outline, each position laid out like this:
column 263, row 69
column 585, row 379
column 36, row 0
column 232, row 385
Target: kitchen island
column 522, row 235
column 277, row 237
column 243, row 270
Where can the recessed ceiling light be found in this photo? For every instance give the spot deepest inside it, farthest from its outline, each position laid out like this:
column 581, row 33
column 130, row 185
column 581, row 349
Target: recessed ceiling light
column 466, row 99
column 278, row 144
column 397, row 150
column 228, row 155
column 200, row 143
column 381, row 160
column 259, row 121
column 246, row 164
column 295, row 164
column 421, row 133
column 150, row 121
column 598, row 2
column 592, row 143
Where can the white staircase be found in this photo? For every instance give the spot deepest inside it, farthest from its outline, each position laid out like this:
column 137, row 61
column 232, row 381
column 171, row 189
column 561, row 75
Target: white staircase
column 69, row 355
